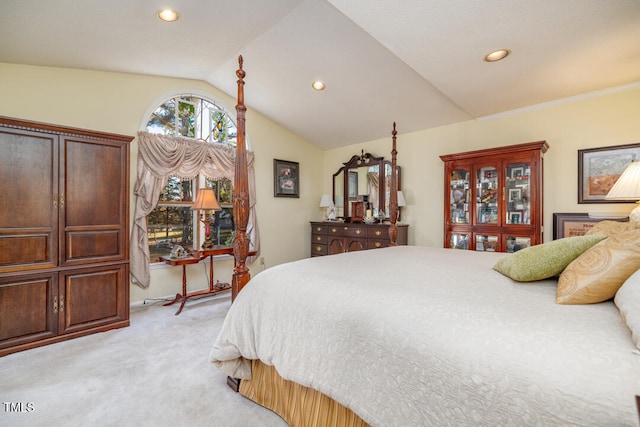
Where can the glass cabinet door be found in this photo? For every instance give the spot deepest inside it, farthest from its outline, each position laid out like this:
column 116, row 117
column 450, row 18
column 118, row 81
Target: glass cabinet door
column 515, row 243
column 459, row 241
column 459, row 196
column 487, row 243
column 517, row 194
column 487, row 195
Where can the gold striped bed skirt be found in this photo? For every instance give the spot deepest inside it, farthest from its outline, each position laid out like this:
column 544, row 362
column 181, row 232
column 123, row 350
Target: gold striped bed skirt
column 299, row 406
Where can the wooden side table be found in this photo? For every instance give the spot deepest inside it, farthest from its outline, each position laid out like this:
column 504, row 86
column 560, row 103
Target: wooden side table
column 184, row 261
column 194, row 258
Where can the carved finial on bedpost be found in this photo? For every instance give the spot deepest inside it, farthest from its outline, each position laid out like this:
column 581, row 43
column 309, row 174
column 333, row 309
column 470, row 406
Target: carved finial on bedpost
column 393, row 196
column 240, row 194
column 240, row 73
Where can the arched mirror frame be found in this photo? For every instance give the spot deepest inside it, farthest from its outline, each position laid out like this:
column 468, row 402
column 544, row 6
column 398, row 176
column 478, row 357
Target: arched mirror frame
column 341, row 183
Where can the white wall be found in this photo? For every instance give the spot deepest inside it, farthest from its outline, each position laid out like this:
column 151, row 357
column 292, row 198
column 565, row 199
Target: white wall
column 605, row 120
column 116, row 103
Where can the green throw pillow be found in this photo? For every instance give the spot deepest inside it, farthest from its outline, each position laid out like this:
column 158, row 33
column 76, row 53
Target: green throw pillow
column 546, row 260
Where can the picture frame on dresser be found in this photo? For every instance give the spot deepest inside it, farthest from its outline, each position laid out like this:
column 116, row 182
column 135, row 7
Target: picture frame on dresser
column 286, row 178
column 600, row 168
column 577, row 224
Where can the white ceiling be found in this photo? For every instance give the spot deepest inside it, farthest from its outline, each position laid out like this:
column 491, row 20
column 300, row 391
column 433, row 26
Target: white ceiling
column 416, row 62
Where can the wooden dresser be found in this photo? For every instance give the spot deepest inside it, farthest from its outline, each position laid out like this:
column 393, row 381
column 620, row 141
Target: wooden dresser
column 64, row 233
column 329, row 238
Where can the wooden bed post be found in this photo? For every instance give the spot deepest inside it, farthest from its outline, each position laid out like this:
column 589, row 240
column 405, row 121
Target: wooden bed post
column 393, row 196
column 240, row 195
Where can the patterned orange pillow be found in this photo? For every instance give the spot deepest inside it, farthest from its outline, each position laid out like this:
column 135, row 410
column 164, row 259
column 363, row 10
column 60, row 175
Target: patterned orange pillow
column 598, row 273
column 609, row 227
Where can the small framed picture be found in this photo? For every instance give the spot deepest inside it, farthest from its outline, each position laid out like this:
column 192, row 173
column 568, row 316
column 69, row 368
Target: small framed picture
column 286, row 178
column 515, row 218
column 517, row 173
column 515, row 194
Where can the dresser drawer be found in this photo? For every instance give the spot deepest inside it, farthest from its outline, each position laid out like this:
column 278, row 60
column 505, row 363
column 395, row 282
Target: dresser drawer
column 348, row 231
column 319, row 229
column 317, row 238
column 378, row 233
column 318, row 249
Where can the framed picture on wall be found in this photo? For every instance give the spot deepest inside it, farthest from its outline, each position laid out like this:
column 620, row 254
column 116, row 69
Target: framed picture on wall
column 286, row 178
column 600, row 168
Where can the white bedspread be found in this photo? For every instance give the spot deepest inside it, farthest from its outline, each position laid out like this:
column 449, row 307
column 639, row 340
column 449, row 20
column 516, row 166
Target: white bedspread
column 417, row 336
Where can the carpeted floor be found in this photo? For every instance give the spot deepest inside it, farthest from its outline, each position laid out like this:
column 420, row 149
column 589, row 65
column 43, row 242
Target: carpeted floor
column 154, row 373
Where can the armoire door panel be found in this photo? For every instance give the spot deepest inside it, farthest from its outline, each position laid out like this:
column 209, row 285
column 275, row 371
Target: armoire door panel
column 29, row 178
column 95, row 211
column 103, row 245
column 19, row 251
column 93, row 297
column 28, row 305
column 29, row 193
column 94, row 174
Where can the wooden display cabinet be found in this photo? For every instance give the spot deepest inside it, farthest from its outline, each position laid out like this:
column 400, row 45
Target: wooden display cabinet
column 493, row 198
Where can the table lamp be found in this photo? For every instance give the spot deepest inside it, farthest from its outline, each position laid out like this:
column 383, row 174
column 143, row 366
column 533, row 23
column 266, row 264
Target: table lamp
column 206, row 201
column 627, row 187
column 327, row 202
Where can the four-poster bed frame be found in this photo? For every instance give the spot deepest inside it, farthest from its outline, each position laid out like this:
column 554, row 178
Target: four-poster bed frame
column 379, row 360
column 327, row 412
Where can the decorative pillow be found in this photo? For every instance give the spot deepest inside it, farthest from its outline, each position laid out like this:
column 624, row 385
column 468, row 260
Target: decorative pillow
column 546, row 260
column 598, row 273
column 627, row 300
column 609, row 228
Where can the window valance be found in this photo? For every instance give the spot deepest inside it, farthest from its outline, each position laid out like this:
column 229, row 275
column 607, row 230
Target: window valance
column 163, row 156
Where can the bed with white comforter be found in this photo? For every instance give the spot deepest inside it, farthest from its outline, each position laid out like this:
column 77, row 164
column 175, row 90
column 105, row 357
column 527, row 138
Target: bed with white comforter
column 419, row 336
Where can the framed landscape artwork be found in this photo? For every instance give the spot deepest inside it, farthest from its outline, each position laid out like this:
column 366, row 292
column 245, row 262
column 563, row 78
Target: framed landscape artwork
column 600, row 168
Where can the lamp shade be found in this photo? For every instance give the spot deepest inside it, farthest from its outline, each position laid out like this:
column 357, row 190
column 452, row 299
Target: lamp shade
column 401, row 201
column 206, row 200
column 326, row 201
column 627, row 187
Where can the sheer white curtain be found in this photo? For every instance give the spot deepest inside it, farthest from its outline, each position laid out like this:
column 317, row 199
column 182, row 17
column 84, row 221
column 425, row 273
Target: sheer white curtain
column 163, row 156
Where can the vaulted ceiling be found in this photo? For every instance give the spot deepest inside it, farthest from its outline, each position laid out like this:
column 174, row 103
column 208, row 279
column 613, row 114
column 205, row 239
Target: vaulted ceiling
column 417, row 62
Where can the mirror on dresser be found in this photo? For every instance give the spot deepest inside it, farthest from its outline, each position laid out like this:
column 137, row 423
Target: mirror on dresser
column 361, row 176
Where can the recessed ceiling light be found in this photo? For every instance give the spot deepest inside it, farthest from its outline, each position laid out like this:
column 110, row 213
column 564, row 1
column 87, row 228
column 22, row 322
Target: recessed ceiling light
column 168, row 15
column 497, row 55
column 318, row 85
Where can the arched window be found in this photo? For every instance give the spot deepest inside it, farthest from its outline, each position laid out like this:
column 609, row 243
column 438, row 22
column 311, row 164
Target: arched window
column 172, row 222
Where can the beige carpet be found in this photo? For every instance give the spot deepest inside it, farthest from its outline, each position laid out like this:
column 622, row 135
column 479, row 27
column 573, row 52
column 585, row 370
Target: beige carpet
column 154, row 373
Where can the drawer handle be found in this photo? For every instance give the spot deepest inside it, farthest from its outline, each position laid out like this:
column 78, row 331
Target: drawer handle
column 333, row 230
column 378, row 232
column 358, row 231
column 318, row 238
column 378, row 244
column 318, row 248
column 318, row 229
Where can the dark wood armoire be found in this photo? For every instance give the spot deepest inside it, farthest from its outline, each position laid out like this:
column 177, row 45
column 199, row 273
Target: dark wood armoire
column 64, row 227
